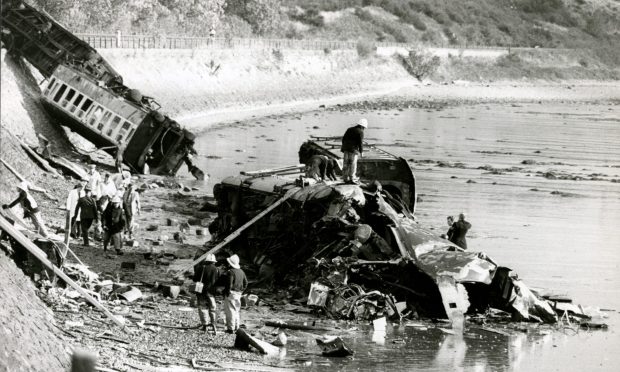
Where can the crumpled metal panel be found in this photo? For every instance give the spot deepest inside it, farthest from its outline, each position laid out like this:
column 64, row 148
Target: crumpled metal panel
column 462, row 266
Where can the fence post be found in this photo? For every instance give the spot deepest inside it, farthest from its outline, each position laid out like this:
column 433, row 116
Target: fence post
column 118, row 38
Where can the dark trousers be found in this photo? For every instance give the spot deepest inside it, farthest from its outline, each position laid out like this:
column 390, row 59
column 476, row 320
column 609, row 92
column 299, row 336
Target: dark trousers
column 116, row 239
column 86, row 223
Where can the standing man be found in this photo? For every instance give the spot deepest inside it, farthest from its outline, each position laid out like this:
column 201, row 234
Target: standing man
column 352, row 148
column 459, row 230
column 131, row 205
column 107, row 190
column 30, row 207
column 72, row 199
column 113, row 224
column 94, row 179
column 205, row 277
column 235, row 285
column 87, row 207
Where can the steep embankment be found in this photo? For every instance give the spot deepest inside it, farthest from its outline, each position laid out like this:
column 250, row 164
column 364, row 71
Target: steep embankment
column 23, row 117
column 29, row 339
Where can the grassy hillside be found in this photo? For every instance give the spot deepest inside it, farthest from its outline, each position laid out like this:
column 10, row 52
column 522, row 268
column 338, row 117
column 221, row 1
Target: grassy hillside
column 545, row 23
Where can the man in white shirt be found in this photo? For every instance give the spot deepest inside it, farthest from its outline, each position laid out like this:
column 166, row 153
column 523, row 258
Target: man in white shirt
column 74, row 195
column 94, row 179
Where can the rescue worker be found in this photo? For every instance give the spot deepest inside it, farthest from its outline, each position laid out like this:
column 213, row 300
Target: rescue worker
column 321, row 168
column 30, row 207
column 205, row 277
column 459, row 230
column 352, row 148
column 113, row 220
column 236, row 283
column 131, row 205
column 87, row 207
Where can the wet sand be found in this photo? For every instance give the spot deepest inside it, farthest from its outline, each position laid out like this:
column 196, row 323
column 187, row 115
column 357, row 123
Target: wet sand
column 539, row 184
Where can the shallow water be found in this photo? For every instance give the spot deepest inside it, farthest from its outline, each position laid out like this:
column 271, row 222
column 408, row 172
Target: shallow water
column 567, row 241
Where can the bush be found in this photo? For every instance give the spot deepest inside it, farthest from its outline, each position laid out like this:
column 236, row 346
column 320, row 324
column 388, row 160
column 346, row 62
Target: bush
column 417, row 22
column 277, row 54
column 310, row 16
column 420, row 64
column 509, row 60
column 327, row 51
column 365, row 48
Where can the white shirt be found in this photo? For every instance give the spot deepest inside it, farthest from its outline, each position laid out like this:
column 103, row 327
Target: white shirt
column 94, row 179
column 108, row 189
column 72, row 200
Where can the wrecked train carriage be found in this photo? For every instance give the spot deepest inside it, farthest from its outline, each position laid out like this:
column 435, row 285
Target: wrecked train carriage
column 393, row 172
column 85, row 93
column 347, row 236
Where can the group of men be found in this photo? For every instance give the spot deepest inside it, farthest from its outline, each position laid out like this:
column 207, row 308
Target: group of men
column 112, row 202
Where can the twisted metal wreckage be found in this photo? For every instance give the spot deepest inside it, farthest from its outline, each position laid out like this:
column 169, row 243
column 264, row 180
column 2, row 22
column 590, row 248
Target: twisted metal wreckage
column 362, row 253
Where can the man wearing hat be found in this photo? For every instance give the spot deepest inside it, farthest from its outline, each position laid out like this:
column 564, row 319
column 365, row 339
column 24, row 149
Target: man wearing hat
column 113, row 224
column 30, row 207
column 131, row 205
column 87, row 207
column 205, row 277
column 235, row 285
column 352, row 148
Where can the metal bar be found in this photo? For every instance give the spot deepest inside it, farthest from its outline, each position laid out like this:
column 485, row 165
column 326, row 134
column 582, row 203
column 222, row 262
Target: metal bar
column 41, row 256
column 237, row 232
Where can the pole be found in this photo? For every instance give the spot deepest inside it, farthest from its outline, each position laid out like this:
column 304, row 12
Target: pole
column 41, row 256
column 237, row 232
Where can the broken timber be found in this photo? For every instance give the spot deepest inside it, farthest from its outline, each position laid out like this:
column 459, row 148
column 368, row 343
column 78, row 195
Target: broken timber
column 40, row 255
column 237, row 232
column 42, row 162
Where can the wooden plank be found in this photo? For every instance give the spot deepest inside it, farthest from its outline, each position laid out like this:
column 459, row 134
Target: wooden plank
column 41, row 256
column 42, row 162
column 22, row 179
column 238, row 232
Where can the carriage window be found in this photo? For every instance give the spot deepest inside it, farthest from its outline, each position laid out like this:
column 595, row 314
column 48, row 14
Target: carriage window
column 113, row 125
column 84, row 106
column 131, row 132
column 123, row 131
column 49, row 86
column 68, row 98
column 76, row 103
column 104, row 120
column 95, row 114
column 61, row 91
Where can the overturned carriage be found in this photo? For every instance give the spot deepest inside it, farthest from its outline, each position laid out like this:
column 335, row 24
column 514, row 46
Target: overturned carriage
column 82, row 91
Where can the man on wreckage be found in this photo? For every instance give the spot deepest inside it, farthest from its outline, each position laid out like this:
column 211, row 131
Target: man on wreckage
column 354, row 239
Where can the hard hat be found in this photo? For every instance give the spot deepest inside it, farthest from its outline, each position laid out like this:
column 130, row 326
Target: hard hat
column 363, row 123
column 116, row 199
column 210, row 258
column 233, row 261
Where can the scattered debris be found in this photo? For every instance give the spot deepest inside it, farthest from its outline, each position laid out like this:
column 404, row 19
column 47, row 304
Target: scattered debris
column 333, row 346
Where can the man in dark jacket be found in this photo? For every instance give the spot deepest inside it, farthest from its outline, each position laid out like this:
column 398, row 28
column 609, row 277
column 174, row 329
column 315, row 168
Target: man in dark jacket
column 352, row 148
column 87, row 206
column 205, row 277
column 113, row 220
column 459, row 230
column 235, row 285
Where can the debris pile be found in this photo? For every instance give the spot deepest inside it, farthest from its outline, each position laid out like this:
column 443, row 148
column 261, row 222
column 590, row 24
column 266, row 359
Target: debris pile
column 356, row 252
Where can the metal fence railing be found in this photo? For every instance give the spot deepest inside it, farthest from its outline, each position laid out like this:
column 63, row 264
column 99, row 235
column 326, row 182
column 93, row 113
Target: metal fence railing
column 184, row 42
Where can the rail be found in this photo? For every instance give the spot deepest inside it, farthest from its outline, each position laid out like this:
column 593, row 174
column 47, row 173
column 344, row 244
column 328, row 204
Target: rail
column 123, row 41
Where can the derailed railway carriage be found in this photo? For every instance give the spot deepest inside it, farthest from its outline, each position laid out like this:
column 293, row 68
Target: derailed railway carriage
column 83, row 92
